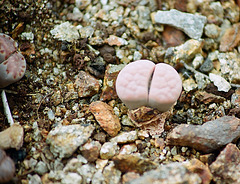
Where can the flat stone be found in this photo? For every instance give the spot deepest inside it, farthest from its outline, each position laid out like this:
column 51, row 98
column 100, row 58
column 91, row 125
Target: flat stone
column 226, row 168
column 133, row 163
column 105, row 116
column 125, row 137
column 12, row 137
column 86, row 85
column 220, row 82
column 64, row 140
column 208, row 98
column 170, row 173
column 208, row 137
column 191, row 24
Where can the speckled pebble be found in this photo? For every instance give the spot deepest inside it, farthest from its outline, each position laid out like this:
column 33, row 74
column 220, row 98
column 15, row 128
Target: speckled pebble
column 191, row 24
column 169, row 173
column 125, row 137
column 41, row 168
column 65, row 31
column 64, row 140
column 184, row 52
column 108, row 150
column 212, row 30
column 86, row 84
column 226, row 168
column 73, row 178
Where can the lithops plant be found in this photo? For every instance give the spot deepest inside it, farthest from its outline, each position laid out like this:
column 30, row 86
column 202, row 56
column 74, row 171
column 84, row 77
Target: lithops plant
column 7, row 167
column 142, row 83
column 12, row 62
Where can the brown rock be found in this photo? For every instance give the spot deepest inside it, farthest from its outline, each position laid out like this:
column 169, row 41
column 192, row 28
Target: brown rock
column 109, row 90
column 199, row 168
column 230, row 39
column 208, row 137
column 133, row 163
column 105, row 117
column 226, row 168
column 86, row 84
column 172, row 36
column 181, row 5
column 12, row 137
column 91, row 150
column 101, row 137
column 208, row 98
column 235, row 112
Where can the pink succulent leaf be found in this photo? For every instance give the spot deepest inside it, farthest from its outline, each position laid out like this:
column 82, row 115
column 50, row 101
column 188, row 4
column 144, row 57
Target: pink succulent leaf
column 12, row 63
column 7, row 46
column 142, row 83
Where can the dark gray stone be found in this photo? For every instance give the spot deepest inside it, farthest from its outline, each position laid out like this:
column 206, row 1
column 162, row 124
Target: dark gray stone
column 207, row 66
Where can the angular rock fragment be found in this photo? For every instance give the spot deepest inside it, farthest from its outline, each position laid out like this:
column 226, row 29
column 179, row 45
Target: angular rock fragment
column 105, row 116
column 65, row 31
column 226, row 168
column 86, row 85
column 64, row 140
column 220, row 82
column 208, row 137
column 133, row 163
column 191, row 24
